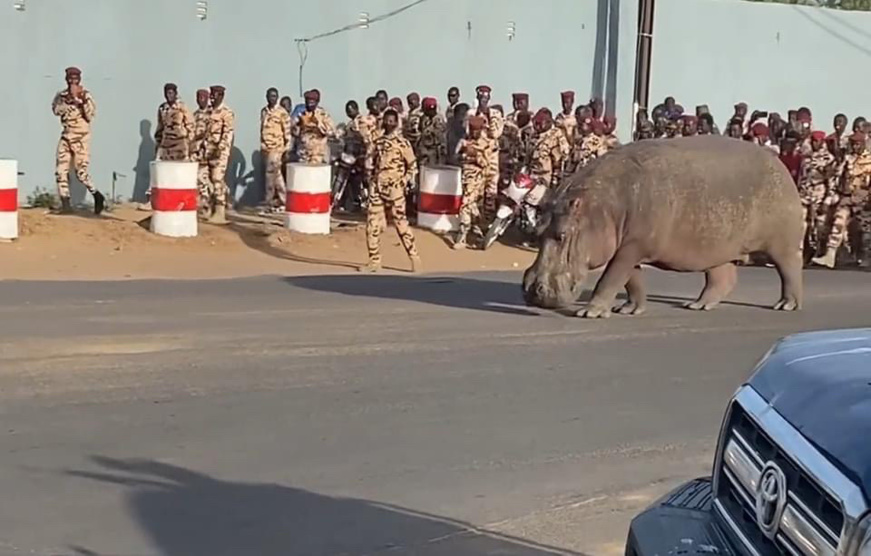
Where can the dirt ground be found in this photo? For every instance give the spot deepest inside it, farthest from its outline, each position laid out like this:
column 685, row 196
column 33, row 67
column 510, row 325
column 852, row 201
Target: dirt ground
column 118, row 246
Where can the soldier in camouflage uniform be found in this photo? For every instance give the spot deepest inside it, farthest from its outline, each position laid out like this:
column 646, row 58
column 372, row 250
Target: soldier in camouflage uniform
column 453, row 100
column 175, row 127
column 198, row 150
column 587, row 146
column 394, row 166
column 76, row 109
column 411, row 126
column 550, row 152
column 854, row 202
column 565, row 120
column 475, row 154
column 514, row 146
column 815, row 189
column 521, row 104
column 431, row 148
column 315, row 127
column 218, row 144
column 493, row 131
column 275, row 137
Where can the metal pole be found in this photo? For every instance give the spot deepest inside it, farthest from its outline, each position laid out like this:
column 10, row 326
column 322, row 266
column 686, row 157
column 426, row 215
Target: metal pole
column 646, row 10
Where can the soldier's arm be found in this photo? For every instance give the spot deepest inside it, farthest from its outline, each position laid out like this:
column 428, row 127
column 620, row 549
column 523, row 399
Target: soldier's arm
column 410, row 161
column 188, row 123
column 287, row 128
column 89, row 108
column 227, row 135
column 325, row 125
column 158, row 131
column 58, row 106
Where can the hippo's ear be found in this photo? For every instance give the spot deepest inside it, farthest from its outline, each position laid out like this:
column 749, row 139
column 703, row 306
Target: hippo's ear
column 575, row 204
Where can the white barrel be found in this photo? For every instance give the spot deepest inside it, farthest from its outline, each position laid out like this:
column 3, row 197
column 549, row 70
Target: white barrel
column 174, row 198
column 440, row 197
column 308, row 198
column 8, row 199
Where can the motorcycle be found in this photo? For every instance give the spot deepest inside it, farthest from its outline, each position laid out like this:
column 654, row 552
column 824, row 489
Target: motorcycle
column 347, row 187
column 519, row 200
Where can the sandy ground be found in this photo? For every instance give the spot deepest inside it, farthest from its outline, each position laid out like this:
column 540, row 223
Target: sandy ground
column 118, row 245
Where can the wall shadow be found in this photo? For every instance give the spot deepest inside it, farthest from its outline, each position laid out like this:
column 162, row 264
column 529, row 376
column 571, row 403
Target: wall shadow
column 254, row 182
column 453, row 291
column 186, row 513
column 142, row 169
column 235, row 176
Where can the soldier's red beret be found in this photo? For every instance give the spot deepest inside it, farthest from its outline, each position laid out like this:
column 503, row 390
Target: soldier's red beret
column 72, row 70
column 568, row 95
column 412, row 96
column 395, row 101
column 429, row 102
column 170, row 87
column 202, row 92
column 598, row 126
column 217, row 88
column 759, row 130
column 483, row 89
column 313, row 94
column 858, row 137
column 818, row 135
column 520, row 96
column 477, row 122
column 543, row 115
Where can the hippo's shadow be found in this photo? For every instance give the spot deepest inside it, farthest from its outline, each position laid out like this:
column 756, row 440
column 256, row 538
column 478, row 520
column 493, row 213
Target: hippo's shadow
column 673, row 301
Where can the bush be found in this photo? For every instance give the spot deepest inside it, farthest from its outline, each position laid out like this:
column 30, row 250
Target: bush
column 41, row 198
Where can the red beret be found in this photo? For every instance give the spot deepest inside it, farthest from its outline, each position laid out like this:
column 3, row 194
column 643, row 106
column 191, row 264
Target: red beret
column 597, row 125
column 202, row 92
column 818, row 135
column 483, row 89
column 543, row 115
column 170, row 87
column 858, row 137
column 520, row 96
column 568, row 95
column 217, row 88
column 70, row 71
column 759, row 130
column 477, row 122
column 395, row 101
column 313, row 94
column 804, row 117
column 414, row 96
column 429, row 102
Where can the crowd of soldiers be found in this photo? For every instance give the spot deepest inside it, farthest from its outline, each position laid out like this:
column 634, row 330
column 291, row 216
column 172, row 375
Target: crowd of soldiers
column 832, row 170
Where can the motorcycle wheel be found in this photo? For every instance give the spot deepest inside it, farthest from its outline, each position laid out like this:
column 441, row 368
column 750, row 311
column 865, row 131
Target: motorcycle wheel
column 339, row 189
column 497, row 228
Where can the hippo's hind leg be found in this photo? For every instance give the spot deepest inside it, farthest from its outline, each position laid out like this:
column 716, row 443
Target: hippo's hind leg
column 789, row 263
column 719, row 282
column 636, row 302
column 616, row 276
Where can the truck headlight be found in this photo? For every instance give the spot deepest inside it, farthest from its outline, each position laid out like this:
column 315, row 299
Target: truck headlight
column 863, row 537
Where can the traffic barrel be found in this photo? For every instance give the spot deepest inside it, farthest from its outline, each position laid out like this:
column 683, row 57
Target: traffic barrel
column 308, row 198
column 440, row 197
column 174, row 198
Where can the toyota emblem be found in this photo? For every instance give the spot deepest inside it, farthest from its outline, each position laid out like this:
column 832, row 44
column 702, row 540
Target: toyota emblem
column 770, row 499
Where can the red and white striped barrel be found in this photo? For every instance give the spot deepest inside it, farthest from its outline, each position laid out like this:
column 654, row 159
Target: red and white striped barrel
column 308, row 198
column 440, row 197
column 174, row 198
column 8, row 199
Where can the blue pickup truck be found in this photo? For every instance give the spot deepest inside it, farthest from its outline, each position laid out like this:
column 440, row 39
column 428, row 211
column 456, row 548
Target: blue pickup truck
column 792, row 470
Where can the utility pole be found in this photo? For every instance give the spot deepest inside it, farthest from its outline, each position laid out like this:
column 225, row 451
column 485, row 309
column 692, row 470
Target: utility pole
column 646, row 9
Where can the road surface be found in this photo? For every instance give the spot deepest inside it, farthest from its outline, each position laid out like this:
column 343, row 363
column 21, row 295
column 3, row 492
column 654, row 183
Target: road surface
column 363, row 414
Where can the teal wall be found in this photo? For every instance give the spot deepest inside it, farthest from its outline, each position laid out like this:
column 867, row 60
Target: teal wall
column 772, row 56
column 127, row 49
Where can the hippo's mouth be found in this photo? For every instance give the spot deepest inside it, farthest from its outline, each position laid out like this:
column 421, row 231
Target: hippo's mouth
column 554, row 293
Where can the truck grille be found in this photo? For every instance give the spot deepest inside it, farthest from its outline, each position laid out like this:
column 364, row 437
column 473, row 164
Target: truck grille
column 812, row 521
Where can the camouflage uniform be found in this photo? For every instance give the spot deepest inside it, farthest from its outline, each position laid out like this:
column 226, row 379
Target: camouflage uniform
column 548, row 154
column 816, row 192
column 313, row 130
column 493, row 131
column 512, row 151
column 275, row 134
column 567, row 123
column 854, row 202
column 174, row 133
column 218, row 143
column 431, row 148
column 411, row 127
column 370, row 129
column 476, row 156
column 393, row 167
column 75, row 116
column 585, row 149
column 198, row 154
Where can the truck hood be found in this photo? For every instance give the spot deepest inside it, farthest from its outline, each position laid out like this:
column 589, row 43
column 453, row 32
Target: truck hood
column 821, row 383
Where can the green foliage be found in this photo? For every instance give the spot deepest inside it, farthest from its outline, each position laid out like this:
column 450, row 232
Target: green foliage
column 41, row 198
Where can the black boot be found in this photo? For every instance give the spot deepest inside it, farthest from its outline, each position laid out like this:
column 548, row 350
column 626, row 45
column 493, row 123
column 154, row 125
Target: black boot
column 65, row 205
column 99, row 202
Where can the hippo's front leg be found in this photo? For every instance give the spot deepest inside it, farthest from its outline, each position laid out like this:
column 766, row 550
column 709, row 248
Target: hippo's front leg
column 616, row 276
column 636, row 293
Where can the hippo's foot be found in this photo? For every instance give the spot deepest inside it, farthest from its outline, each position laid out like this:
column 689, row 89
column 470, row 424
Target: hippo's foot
column 701, row 305
column 631, row 308
column 594, row 312
column 786, row 304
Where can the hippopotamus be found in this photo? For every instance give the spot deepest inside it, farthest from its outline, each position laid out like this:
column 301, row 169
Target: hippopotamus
column 689, row 204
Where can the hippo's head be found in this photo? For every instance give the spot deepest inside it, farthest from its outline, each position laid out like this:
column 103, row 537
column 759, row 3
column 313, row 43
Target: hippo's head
column 556, row 278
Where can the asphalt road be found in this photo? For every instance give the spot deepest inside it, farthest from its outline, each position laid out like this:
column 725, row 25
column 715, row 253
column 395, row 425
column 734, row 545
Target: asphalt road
column 363, row 415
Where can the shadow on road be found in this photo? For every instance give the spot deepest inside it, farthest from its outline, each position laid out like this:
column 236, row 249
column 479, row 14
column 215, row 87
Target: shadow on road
column 454, row 292
column 185, row 513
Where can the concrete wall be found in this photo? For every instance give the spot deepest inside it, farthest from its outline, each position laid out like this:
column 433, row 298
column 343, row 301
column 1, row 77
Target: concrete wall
column 127, row 49
column 772, row 56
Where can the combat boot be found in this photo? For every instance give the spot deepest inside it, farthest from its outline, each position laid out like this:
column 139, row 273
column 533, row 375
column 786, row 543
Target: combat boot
column 416, row 264
column 371, row 267
column 65, row 206
column 99, row 203
column 828, row 259
column 460, row 240
column 219, row 217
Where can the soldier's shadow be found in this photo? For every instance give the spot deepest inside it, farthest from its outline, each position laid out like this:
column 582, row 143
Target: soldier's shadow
column 144, row 157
